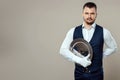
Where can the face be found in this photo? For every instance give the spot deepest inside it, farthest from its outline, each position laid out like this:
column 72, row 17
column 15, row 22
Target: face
column 89, row 15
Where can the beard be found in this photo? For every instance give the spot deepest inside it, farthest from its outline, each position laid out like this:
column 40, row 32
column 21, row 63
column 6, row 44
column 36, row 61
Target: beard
column 89, row 21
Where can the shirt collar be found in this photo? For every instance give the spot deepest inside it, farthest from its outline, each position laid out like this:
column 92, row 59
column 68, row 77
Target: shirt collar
column 93, row 25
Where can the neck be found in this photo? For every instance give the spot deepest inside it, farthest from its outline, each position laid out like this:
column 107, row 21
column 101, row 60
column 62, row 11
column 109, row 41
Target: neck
column 87, row 26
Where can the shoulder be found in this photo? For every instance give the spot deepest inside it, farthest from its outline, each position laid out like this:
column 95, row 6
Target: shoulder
column 79, row 26
column 71, row 29
column 105, row 30
column 107, row 33
column 100, row 27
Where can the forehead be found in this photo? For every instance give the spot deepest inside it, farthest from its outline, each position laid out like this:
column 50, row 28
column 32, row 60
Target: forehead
column 87, row 9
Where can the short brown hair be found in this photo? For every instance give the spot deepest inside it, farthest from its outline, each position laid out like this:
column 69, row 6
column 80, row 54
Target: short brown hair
column 90, row 5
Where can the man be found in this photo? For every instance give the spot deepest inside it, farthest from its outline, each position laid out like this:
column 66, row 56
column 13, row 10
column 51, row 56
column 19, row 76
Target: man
column 97, row 36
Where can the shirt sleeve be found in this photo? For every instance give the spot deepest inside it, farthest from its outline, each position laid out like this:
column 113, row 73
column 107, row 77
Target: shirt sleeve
column 64, row 49
column 110, row 43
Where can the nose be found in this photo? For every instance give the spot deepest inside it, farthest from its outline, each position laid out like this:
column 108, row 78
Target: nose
column 89, row 15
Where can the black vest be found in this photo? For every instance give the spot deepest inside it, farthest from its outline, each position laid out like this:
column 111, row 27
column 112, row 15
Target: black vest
column 97, row 45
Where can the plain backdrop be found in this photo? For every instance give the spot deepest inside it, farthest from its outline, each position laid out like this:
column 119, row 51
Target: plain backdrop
column 32, row 31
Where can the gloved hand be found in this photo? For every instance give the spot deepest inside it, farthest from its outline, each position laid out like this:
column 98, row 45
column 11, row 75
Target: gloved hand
column 77, row 53
column 84, row 61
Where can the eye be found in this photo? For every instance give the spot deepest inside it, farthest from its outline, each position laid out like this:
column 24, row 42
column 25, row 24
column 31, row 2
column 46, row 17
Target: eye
column 86, row 13
column 92, row 13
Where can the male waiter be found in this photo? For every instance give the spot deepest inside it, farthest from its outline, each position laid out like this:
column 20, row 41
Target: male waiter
column 97, row 36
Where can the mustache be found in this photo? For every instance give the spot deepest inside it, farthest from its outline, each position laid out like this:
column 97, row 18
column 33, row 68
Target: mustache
column 89, row 19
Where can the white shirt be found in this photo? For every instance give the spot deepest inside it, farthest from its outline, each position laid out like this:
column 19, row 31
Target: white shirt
column 109, row 41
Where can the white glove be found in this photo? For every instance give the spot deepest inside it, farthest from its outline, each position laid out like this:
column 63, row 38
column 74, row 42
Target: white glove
column 77, row 53
column 85, row 61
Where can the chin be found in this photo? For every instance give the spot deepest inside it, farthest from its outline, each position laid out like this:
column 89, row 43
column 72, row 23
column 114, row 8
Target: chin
column 89, row 23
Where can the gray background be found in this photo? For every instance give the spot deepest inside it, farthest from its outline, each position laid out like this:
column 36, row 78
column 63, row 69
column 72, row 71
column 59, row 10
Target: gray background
column 31, row 33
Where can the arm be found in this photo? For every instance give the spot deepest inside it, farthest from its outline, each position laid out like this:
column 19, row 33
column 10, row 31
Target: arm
column 110, row 43
column 64, row 50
